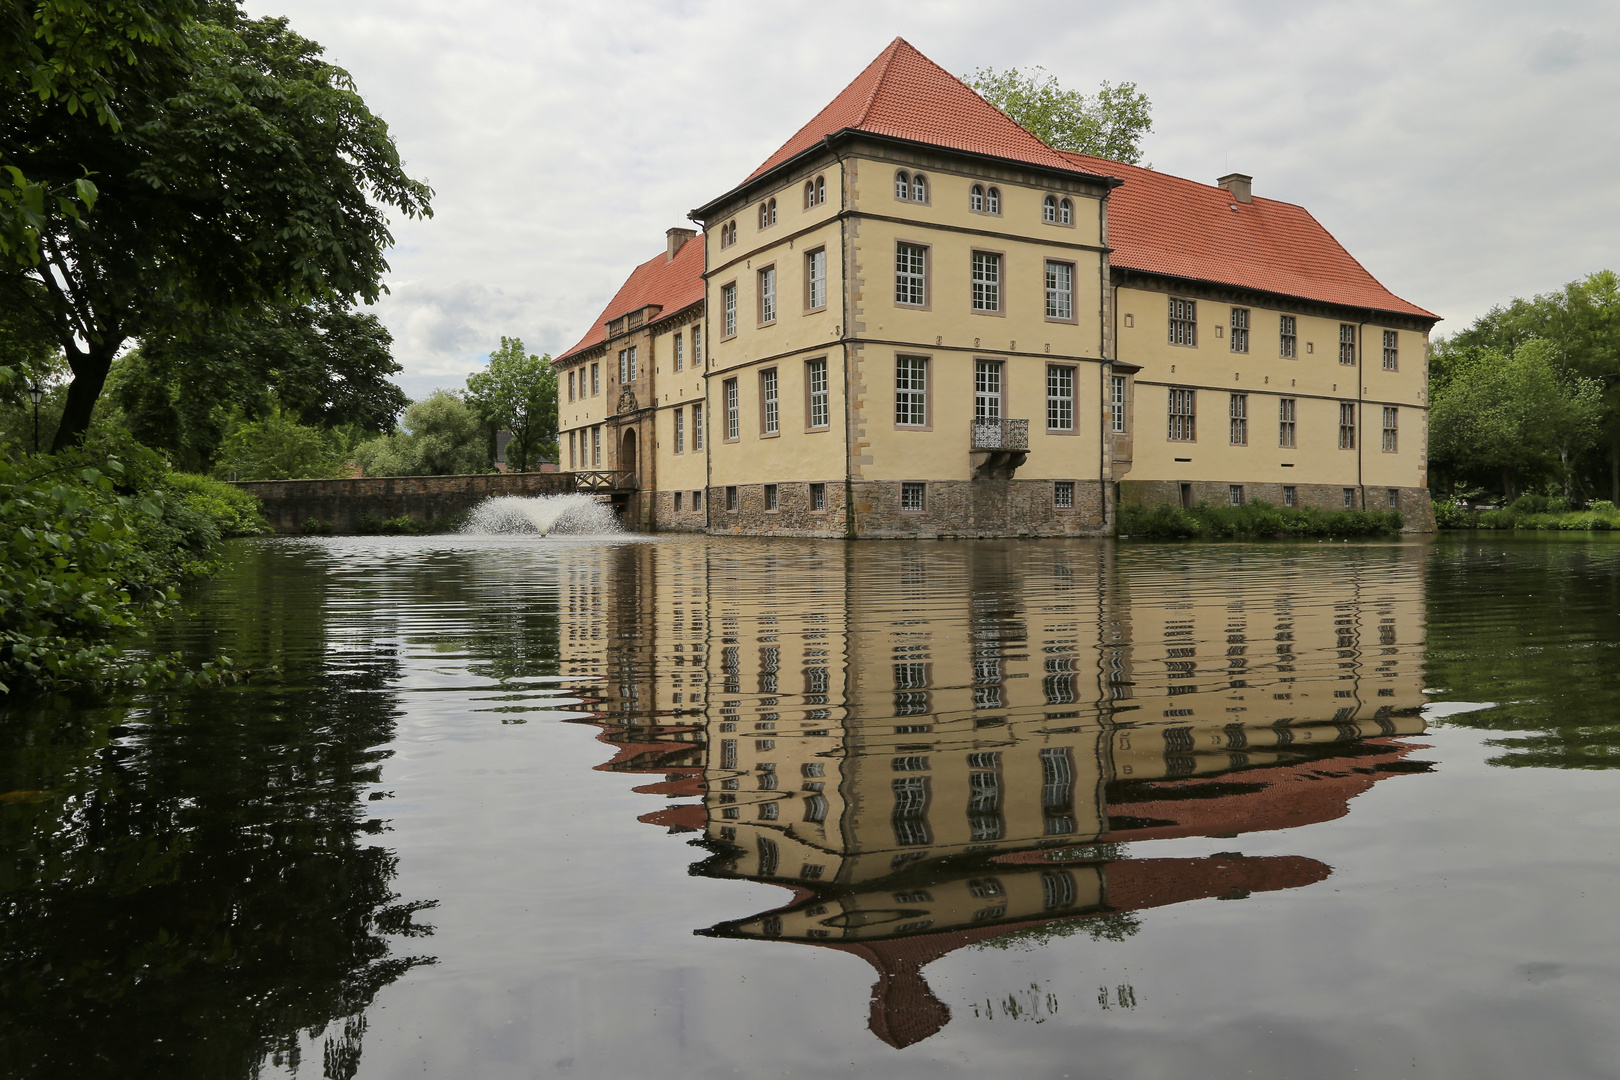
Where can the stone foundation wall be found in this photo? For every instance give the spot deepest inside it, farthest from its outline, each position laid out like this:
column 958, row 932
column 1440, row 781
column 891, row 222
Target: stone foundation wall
column 792, row 517
column 987, row 508
column 340, row 504
column 1413, row 503
column 667, row 519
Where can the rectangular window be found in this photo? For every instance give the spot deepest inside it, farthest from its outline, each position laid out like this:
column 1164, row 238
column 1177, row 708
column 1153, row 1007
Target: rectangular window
column 596, row 446
column 733, row 419
column 1063, row 494
column 1059, row 290
column 680, row 431
column 697, row 345
column 815, row 381
column 1391, row 429
column 1240, row 419
column 987, row 390
column 1116, row 404
column 1347, row 426
column 1234, row 494
column 697, row 427
column 986, row 281
column 1392, row 350
column 728, row 305
column 1287, row 343
column 911, row 391
column 1183, row 415
column 1347, row 343
column 1290, row 496
column 769, row 423
column 570, row 386
column 767, row 295
column 680, row 350
column 770, row 496
column 1059, row 398
column 910, row 274
column 573, row 439
column 596, row 379
column 1240, row 329
column 913, row 496
column 678, row 496
column 731, row 497
column 632, row 363
column 1285, row 421
column 1349, row 498
column 1183, row 321
column 815, row 279
column 818, row 496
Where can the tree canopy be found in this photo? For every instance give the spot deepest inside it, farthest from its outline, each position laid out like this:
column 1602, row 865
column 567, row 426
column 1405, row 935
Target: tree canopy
column 1108, row 124
column 243, row 172
column 518, row 392
column 1576, row 331
column 440, row 436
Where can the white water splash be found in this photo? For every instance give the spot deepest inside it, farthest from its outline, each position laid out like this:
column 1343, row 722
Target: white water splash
column 543, row 514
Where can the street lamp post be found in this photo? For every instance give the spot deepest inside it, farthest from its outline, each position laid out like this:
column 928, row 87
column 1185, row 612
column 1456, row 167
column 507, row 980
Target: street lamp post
column 36, row 392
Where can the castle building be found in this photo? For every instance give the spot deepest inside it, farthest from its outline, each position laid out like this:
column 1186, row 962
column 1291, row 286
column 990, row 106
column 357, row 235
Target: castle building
column 917, row 319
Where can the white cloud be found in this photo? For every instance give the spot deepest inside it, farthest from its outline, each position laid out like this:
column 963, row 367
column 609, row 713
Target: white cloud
column 1463, row 150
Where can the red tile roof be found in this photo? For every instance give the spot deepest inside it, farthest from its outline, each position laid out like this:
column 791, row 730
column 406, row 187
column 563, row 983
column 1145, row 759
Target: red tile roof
column 1166, row 225
column 905, row 95
column 673, row 284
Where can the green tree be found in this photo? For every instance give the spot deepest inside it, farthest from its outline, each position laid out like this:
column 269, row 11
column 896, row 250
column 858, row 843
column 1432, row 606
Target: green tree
column 325, row 364
column 276, row 447
column 440, row 436
column 1581, row 325
column 248, row 171
column 518, row 392
column 1513, row 414
column 1108, row 124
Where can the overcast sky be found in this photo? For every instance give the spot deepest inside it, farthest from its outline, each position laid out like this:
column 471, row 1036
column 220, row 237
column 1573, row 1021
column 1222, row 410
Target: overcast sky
column 1465, row 151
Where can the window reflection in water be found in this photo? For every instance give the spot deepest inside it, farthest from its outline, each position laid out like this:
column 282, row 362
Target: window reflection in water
column 985, row 727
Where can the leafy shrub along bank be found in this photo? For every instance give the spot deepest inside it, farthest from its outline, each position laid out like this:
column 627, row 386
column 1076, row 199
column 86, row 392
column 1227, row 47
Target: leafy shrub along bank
column 1252, row 519
column 93, row 542
column 1536, row 512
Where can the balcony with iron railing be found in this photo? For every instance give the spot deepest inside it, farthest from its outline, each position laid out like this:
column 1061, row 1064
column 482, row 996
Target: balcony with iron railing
column 998, row 447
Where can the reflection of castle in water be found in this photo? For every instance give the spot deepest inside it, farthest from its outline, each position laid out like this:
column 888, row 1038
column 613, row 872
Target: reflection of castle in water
column 937, row 745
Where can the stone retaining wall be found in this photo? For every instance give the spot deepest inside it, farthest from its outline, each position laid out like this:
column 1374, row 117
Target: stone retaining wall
column 340, row 504
column 954, row 508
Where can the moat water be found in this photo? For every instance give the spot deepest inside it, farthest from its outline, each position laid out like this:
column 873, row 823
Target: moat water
column 621, row 807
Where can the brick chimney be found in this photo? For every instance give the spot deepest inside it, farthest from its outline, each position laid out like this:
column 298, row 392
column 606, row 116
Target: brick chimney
column 1237, row 185
column 677, row 239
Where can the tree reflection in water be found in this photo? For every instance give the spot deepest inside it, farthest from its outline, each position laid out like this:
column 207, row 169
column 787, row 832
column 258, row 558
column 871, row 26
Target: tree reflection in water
column 191, row 886
column 938, row 746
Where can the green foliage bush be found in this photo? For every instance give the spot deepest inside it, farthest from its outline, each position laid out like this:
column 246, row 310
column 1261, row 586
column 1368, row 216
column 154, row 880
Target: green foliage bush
column 442, row 436
column 93, row 542
column 276, row 448
column 1253, row 519
column 1533, row 512
column 233, row 510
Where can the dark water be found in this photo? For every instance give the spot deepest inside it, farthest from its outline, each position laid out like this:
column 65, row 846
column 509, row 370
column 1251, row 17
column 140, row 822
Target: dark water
column 709, row 808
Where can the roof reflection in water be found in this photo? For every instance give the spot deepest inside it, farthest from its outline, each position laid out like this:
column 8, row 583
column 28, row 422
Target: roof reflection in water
column 936, row 745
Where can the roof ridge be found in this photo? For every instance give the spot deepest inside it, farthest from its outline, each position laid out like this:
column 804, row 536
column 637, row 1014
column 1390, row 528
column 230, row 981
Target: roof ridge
column 887, row 57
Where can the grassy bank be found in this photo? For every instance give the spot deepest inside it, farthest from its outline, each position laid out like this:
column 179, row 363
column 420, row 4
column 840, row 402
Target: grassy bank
column 1256, row 519
column 1535, row 512
column 93, row 545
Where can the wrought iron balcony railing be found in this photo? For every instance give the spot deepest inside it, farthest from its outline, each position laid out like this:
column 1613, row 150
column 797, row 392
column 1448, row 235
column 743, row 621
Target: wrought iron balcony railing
column 1000, row 435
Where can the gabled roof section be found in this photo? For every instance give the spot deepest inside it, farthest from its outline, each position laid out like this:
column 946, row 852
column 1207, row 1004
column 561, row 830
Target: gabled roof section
column 1167, row 225
column 905, row 95
column 672, row 284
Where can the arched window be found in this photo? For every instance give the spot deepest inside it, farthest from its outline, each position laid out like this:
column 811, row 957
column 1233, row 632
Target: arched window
column 821, row 189
column 1066, row 212
column 764, row 210
column 919, row 188
column 809, row 194
column 902, row 185
column 772, row 220
column 728, row 234
column 992, row 201
column 1049, row 209
column 977, row 201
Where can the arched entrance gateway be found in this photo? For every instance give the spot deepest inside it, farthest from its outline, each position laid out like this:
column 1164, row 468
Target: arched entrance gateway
column 627, row 453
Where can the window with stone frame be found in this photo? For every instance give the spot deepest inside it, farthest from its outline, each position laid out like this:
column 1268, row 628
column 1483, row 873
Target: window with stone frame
column 1183, row 321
